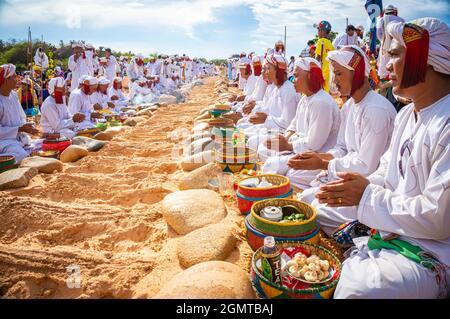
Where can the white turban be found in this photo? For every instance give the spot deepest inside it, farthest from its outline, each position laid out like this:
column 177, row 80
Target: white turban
column 256, row 59
column 344, row 57
column 118, row 79
column 6, row 71
column 277, row 60
column 439, row 47
column 305, row 63
column 55, row 82
column 244, row 62
column 270, row 51
column 77, row 45
column 82, row 79
column 92, row 80
column 89, row 46
column 103, row 81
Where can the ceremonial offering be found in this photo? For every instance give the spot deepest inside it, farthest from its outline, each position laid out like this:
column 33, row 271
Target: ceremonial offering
column 220, row 122
column 48, row 154
column 216, row 113
column 310, row 269
column 292, row 288
column 7, row 162
column 235, row 159
column 89, row 132
column 272, row 213
column 56, row 144
column 273, row 186
column 259, row 226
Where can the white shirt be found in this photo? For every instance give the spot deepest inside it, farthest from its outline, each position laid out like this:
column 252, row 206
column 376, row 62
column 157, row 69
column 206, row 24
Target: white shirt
column 122, row 101
column 250, row 85
column 100, row 98
column 282, row 106
column 345, row 39
column 111, row 68
column 259, row 91
column 55, row 117
column 417, row 204
column 364, row 135
column 12, row 117
column 316, row 123
column 79, row 102
column 79, row 68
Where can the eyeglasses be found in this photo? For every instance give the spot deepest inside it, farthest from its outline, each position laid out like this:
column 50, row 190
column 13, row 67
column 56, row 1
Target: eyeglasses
column 405, row 153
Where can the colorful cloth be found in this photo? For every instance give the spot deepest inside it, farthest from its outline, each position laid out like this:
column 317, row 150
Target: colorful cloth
column 323, row 46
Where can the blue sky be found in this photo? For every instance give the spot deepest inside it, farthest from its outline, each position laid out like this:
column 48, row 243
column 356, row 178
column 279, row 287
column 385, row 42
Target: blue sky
column 199, row 28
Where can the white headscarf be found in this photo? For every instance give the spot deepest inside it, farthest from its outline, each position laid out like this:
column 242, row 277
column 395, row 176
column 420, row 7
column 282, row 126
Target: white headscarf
column 343, row 57
column 103, row 81
column 256, row 58
column 439, row 47
column 55, row 82
column 277, row 60
column 6, row 71
column 82, row 79
column 78, row 44
column 305, row 63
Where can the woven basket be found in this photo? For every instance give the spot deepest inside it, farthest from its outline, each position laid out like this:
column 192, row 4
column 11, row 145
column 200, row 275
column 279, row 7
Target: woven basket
column 247, row 196
column 7, row 160
column 268, row 290
column 89, row 132
column 255, row 238
column 58, row 145
column 283, row 229
column 221, row 122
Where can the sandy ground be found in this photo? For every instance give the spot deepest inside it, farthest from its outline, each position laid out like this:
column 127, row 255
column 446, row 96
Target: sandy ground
column 103, row 215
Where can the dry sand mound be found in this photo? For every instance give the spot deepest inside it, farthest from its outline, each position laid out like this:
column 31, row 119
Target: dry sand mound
column 102, row 217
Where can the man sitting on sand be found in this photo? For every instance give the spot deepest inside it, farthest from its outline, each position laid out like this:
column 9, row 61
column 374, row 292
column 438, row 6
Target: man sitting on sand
column 55, row 118
column 79, row 103
column 314, row 128
column 116, row 95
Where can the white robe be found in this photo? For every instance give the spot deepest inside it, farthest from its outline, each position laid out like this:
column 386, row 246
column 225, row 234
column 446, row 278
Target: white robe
column 135, row 71
column 364, row 136
column 259, row 107
column 111, row 69
column 250, row 85
column 12, row 117
column 100, row 98
column 415, row 206
column 79, row 102
column 122, row 102
column 79, row 68
column 345, row 39
column 139, row 95
column 55, row 118
column 316, row 126
column 281, row 107
column 258, row 91
column 41, row 60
